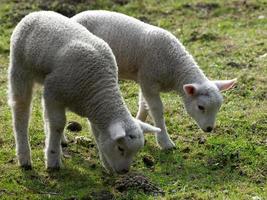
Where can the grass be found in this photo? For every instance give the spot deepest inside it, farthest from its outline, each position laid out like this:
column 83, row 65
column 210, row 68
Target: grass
column 228, row 39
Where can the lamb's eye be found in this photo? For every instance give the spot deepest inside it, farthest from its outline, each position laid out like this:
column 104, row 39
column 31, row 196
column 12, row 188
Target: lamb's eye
column 131, row 136
column 120, row 149
column 201, row 108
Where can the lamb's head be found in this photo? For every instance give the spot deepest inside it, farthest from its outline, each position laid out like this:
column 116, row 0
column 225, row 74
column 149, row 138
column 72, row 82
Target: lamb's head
column 203, row 101
column 123, row 140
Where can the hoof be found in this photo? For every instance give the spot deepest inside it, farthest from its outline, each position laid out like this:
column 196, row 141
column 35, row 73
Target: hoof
column 168, row 146
column 53, row 169
column 171, row 149
column 55, row 166
column 26, row 167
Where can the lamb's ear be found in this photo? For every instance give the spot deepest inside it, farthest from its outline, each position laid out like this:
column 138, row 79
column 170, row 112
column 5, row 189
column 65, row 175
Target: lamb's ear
column 116, row 131
column 190, row 89
column 224, row 85
column 148, row 128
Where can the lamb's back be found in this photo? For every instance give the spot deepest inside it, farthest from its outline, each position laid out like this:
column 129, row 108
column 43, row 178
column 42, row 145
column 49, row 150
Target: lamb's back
column 134, row 43
column 124, row 34
column 39, row 37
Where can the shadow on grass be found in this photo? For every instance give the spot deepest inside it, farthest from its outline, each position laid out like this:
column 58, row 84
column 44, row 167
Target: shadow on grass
column 71, row 180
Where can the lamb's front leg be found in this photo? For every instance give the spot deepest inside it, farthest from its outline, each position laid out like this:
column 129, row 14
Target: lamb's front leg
column 156, row 108
column 55, row 119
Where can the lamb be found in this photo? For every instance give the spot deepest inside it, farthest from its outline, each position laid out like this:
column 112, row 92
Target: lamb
column 158, row 62
column 79, row 72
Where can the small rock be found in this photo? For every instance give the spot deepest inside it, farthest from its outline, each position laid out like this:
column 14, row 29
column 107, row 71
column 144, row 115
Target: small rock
column 148, row 161
column 201, row 140
column 74, row 126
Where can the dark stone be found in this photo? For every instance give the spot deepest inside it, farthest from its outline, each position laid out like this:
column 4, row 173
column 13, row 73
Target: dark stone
column 74, row 126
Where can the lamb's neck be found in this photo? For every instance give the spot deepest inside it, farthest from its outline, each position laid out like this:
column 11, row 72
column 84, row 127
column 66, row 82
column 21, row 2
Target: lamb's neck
column 188, row 72
column 108, row 106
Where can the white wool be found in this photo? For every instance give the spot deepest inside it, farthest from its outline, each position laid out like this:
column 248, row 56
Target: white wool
column 155, row 59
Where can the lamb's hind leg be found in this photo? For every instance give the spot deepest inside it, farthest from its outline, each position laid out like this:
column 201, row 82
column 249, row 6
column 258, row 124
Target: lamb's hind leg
column 20, row 94
column 55, row 119
column 156, row 109
column 143, row 108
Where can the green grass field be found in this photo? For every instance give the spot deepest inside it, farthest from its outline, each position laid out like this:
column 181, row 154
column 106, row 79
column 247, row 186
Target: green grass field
column 228, row 39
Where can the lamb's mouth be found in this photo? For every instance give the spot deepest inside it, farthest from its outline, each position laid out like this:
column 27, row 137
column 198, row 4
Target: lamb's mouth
column 110, row 169
column 208, row 129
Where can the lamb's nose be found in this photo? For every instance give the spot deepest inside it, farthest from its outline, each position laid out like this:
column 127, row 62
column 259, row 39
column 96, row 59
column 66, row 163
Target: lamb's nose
column 209, row 129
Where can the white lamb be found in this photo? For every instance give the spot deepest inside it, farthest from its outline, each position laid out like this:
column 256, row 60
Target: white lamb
column 79, row 72
column 156, row 60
